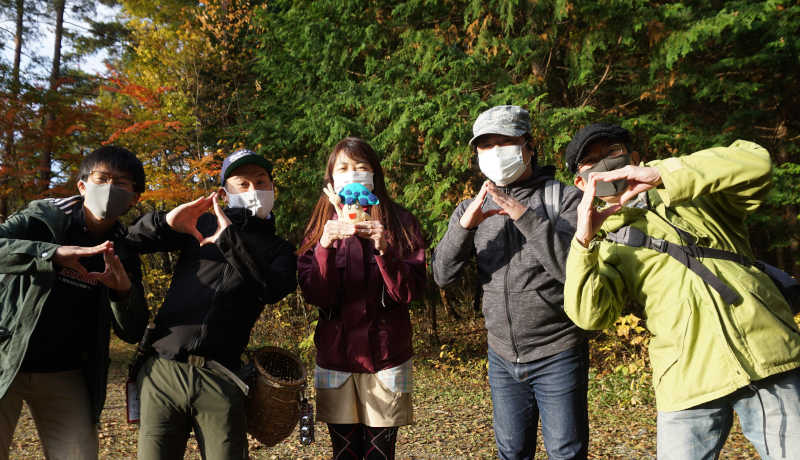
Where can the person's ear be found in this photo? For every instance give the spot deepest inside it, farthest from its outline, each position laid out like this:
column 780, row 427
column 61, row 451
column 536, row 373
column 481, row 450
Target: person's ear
column 136, row 197
column 635, row 158
column 580, row 183
column 223, row 195
column 82, row 188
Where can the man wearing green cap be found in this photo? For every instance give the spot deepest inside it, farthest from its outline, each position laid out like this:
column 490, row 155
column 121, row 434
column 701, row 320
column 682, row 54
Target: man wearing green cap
column 231, row 265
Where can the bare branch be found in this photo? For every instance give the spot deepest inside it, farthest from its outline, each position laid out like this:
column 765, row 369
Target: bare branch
column 605, row 74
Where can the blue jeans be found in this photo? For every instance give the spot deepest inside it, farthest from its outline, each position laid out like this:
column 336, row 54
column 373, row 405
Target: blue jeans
column 700, row 432
column 554, row 387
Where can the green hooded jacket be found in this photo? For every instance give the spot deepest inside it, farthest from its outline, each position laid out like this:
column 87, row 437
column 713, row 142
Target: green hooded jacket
column 702, row 348
column 28, row 241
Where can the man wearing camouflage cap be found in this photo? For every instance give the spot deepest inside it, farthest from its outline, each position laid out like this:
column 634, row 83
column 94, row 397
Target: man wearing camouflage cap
column 538, row 358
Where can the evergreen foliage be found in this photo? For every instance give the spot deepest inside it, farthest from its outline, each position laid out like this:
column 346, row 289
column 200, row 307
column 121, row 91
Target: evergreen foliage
column 411, row 77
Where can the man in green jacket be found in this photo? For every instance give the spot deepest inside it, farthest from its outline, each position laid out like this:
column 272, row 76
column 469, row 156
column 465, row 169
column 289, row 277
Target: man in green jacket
column 722, row 343
column 65, row 279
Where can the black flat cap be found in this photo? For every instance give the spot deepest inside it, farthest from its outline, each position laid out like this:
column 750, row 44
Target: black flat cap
column 592, row 133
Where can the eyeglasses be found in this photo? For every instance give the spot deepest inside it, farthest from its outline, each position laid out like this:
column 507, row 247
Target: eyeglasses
column 610, row 151
column 102, row 178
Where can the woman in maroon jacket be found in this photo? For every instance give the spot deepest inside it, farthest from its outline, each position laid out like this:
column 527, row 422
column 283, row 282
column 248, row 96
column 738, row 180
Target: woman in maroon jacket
column 362, row 277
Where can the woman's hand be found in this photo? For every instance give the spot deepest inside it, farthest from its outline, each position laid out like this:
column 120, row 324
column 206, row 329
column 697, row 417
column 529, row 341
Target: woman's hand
column 373, row 230
column 335, row 200
column 336, row 230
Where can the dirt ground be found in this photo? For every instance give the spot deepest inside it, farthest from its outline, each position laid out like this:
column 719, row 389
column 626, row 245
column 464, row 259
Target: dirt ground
column 453, row 421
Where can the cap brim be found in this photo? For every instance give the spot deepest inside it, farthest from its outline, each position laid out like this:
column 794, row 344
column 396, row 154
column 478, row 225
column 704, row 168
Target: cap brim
column 589, row 140
column 510, row 133
column 255, row 159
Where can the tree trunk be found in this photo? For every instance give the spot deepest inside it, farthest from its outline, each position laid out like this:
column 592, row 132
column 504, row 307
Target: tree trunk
column 448, row 307
column 18, row 44
column 55, row 74
column 430, row 295
column 8, row 142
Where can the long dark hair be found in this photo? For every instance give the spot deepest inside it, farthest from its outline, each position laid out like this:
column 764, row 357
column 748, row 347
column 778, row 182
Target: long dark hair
column 399, row 230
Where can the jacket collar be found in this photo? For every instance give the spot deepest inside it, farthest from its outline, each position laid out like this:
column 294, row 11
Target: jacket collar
column 59, row 213
column 524, row 189
column 242, row 218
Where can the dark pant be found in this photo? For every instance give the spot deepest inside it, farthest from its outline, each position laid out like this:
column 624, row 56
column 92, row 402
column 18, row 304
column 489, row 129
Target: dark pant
column 177, row 398
column 554, row 388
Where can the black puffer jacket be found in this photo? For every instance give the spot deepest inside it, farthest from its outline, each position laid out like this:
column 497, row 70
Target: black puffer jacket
column 521, row 269
column 218, row 291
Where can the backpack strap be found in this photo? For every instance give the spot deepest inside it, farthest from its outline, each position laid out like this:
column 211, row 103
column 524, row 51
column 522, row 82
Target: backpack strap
column 553, row 191
column 686, row 255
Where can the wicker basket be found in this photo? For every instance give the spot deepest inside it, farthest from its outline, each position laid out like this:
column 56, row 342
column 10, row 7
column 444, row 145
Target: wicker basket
column 273, row 404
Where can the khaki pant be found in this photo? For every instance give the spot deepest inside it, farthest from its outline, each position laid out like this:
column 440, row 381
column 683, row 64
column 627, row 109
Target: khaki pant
column 61, row 409
column 363, row 398
column 177, row 398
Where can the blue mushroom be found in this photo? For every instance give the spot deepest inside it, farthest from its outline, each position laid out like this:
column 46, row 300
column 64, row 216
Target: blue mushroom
column 358, row 194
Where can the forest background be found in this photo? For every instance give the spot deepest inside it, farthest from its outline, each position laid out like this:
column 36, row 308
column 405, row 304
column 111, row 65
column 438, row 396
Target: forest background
column 189, row 81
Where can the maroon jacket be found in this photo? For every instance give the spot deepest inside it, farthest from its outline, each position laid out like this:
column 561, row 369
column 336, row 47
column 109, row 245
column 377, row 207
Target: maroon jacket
column 363, row 297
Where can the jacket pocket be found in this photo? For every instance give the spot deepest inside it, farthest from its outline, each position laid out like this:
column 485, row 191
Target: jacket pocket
column 766, row 321
column 394, row 332
column 669, row 335
column 330, row 342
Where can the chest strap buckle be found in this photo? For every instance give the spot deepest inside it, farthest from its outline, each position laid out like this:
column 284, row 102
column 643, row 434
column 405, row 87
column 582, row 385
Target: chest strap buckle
column 196, row 361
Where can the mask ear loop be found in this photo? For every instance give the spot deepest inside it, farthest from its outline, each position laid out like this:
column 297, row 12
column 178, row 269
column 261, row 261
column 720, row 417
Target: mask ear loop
column 530, row 158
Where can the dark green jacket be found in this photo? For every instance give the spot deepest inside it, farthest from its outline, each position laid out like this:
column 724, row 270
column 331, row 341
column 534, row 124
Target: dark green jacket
column 28, row 241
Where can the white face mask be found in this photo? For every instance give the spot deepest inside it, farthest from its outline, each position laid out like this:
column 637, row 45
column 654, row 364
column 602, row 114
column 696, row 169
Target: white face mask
column 259, row 202
column 364, row 178
column 503, row 165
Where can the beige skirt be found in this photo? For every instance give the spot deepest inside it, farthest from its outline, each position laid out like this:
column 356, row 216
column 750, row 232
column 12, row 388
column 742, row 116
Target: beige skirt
column 364, row 398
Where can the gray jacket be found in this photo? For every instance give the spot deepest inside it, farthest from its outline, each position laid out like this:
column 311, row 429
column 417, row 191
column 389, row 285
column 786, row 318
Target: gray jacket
column 521, row 269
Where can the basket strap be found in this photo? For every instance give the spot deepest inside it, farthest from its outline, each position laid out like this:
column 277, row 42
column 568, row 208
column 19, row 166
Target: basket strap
column 213, row 365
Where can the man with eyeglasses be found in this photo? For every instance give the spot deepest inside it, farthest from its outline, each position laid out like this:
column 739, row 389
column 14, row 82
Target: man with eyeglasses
column 673, row 237
column 66, row 277
column 538, row 359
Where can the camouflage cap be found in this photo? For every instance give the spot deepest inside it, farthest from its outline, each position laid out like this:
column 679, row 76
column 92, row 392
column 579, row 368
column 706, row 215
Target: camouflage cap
column 508, row 120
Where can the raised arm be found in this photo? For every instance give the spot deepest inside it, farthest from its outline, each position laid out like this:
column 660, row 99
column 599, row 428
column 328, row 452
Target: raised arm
column 269, row 272
column 594, row 292
column 150, row 233
column 20, row 252
column 738, row 177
